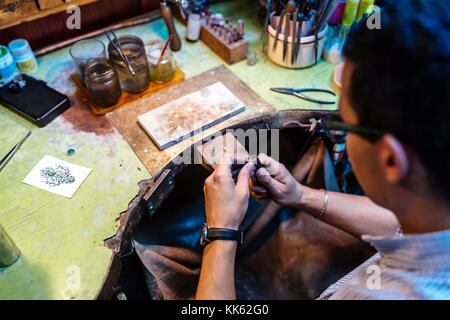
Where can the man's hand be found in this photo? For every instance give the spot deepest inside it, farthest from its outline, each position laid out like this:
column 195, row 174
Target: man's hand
column 226, row 202
column 275, row 182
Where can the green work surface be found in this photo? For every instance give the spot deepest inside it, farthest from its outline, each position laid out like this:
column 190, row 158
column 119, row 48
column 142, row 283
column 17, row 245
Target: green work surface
column 61, row 240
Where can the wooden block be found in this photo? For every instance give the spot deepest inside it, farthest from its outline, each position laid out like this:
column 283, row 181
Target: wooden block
column 231, row 53
column 181, row 118
column 48, row 4
column 13, row 10
column 211, row 152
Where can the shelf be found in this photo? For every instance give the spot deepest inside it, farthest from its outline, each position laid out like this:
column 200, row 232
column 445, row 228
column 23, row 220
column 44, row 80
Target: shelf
column 13, row 13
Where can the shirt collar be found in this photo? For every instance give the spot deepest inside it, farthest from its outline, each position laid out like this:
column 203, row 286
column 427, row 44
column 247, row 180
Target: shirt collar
column 414, row 251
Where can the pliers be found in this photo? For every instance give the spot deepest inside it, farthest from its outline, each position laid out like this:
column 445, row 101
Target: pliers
column 298, row 93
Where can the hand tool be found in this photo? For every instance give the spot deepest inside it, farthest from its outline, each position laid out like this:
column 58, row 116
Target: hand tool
column 289, row 9
column 266, row 26
column 294, row 28
column 342, row 36
column 258, row 165
column 357, row 11
column 240, row 28
column 298, row 44
column 164, row 50
column 280, row 24
column 11, row 153
column 166, row 12
column 298, row 93
column 304, row 13
column 316, row 37
column 326, row 14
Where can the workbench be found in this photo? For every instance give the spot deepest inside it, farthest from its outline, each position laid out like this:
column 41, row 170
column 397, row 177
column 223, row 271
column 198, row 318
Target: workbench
column 63, row 238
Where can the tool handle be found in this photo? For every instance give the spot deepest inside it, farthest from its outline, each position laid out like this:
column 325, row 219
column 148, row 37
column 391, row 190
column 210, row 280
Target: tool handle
column 302, row 96
column 175, row 43
column 315, row 90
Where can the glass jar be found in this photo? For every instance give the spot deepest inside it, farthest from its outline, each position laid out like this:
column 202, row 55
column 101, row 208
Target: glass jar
column 9, row 253
column 84, row 51
column 134, row 49
column 102, row 82
column 164, row 71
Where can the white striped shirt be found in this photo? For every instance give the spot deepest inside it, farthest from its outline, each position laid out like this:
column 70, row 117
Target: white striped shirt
column 415, row 266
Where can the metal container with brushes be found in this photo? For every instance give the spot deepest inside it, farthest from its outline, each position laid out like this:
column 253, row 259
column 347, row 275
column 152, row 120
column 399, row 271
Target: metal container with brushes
column 305, row 54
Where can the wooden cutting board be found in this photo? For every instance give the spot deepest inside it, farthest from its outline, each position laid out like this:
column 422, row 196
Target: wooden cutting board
column 125, row 119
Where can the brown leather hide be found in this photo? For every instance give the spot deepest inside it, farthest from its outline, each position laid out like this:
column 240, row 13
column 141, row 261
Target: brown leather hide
column 287, row 254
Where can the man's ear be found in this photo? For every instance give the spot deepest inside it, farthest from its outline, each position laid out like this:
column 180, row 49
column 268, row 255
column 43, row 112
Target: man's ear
column 394, row 158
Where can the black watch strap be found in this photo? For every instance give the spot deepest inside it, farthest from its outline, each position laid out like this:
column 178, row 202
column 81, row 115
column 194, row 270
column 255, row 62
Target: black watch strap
column 211, row 234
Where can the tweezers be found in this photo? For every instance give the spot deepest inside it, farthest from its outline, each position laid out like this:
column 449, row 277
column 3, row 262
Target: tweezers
column 11, row 153
column 119, row 50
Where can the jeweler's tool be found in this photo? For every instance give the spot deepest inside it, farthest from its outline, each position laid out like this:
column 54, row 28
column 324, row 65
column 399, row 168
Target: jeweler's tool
column 294, row 32
column 289, row 9
column 266, row 26
column 166, row 12
column 258, row 165
column 298, row 44
column 298, row 93
column 280, row 24
column 11, row 153
column 116, row 45
column 164, row 50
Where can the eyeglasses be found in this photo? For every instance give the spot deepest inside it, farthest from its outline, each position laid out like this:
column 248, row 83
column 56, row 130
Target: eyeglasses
column 372, row 134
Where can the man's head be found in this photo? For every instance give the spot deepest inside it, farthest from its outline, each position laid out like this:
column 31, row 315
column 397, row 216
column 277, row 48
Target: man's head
column 397, row 79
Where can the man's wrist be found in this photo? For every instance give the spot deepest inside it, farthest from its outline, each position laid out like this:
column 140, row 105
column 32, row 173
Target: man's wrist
column 223, row 225
column 306, row 197
column 312, row 200
column 224, row 246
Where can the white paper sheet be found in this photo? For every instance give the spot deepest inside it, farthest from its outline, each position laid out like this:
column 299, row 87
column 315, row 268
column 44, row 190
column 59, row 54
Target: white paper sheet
column 57, row 176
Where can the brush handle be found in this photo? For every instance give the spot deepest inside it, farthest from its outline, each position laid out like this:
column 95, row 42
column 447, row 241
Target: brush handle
column 166, row 12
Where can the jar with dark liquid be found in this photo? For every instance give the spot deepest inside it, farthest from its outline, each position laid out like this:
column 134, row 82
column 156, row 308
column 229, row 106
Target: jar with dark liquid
column 134, row 49
column 102, row 82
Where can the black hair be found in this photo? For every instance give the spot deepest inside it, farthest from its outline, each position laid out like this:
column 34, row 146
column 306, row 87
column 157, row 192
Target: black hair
column 400, row 83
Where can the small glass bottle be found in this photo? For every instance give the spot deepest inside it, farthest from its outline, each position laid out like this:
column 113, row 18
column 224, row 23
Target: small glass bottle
column 102, row 82
column 193, row 27
column 161, row 71
column 134, row 49
column 23, row 56
column 84, row 51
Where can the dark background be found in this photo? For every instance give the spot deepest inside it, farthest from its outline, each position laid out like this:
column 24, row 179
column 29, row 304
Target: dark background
column 94, row 16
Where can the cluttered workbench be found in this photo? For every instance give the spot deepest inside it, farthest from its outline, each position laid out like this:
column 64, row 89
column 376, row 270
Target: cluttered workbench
column 63, row 255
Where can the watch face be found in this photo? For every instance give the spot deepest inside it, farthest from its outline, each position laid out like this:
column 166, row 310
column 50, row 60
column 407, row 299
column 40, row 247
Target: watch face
column 204, row 235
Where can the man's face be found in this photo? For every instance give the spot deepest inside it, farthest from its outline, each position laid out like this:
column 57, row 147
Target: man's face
column 362, row 153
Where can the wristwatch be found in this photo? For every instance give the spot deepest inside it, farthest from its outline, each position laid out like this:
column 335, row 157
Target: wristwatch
column 210, row 234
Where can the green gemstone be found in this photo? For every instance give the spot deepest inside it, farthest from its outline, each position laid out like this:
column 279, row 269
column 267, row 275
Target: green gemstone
column 51, row 173
column 71, row 152
column 71, row 180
